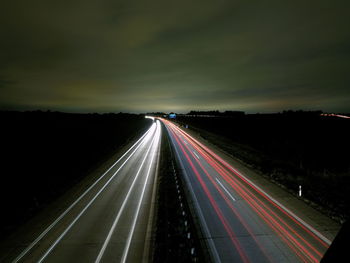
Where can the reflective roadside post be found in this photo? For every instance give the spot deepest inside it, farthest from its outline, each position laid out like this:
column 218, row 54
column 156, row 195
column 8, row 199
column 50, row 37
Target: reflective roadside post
column 299, row 190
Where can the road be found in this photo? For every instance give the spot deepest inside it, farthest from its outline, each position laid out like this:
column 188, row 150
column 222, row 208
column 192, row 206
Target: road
column 240, row 221
column 110, row 221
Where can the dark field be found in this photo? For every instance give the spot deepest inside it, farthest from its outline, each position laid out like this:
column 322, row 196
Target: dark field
column 292, row 149
column 43, row 154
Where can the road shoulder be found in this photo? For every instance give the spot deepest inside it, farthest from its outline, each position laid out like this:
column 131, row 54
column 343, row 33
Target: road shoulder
column 322, row 223
column 14, row 244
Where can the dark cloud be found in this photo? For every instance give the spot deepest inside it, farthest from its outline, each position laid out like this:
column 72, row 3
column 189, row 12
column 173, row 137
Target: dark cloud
column 164, row 55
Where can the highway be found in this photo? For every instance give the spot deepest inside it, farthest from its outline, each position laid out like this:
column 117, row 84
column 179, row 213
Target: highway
column 110, row 221
column 240, row 221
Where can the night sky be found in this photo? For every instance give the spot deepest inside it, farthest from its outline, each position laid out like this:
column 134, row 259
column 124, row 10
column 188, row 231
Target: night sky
column 137, row 56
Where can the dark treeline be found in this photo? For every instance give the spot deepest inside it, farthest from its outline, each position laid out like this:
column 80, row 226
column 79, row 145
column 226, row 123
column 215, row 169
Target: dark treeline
column 45, row 153
column 292, row 148
column 216, row 113
column 158, row 113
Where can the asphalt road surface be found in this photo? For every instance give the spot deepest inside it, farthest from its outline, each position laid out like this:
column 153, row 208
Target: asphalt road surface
column 240, row 221
column 110, row 221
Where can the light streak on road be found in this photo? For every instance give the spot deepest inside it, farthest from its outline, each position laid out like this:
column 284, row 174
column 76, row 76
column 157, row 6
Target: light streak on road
column 131, row 233
column 270, row 232
column 335, row 115
column 130, row 178
column 155, row 140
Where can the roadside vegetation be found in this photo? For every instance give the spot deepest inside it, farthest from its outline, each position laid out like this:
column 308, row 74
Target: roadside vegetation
column 45, row 153
column 290, row 148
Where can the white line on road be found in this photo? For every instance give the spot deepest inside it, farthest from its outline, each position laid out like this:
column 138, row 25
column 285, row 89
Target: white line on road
column 85, row 208
column 223, row 187
column 213, row 251
column 110, row 233
column 24, row 252
column 196, row 155
column 317, row 233
column 312, row 229
column 131, row 233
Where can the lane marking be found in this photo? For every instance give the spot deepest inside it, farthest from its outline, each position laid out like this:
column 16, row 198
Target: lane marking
column 223, row 187
column 115, row 222
column 85, row 208
column 288, row 211
column 213, row 250
column 43, row 234
column 196, row 155
column 151, row 218
column 215, row 206
column 293, row 238
column 131, row 233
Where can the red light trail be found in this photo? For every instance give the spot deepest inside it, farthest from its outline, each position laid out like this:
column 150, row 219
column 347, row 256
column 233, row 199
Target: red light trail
column 303, row 240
